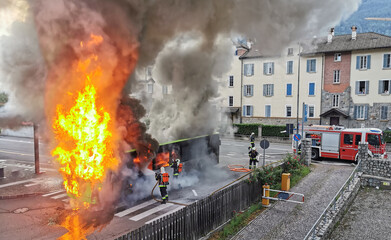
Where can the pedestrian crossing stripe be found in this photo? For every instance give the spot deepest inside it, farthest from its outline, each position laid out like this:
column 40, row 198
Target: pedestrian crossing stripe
column 165, row 214
column 135, row 208
column 150, row 211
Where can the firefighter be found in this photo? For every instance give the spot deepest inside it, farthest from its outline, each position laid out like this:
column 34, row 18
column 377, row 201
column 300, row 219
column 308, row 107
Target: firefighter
column 253, row 158
column 252, row 139
column 162, row 177
column 177, row 166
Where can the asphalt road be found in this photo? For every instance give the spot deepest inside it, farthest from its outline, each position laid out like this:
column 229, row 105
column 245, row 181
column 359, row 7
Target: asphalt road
column 132, row 213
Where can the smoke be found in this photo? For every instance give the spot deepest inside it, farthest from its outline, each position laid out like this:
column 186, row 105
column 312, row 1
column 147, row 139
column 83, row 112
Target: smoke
column 187, row 41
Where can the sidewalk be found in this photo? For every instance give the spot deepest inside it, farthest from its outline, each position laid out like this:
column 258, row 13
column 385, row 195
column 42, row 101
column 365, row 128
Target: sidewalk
column 286, row 220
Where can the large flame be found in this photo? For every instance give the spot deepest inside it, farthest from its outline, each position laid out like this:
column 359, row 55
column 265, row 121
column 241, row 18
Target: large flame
column 85, row 143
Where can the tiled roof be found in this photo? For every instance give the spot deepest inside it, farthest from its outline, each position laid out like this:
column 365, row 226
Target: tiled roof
column 344, row 43
column 340, row 43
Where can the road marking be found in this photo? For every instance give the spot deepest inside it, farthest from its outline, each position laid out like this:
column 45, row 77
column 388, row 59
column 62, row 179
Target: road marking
column 167, row 213
column 195, row 193
column 149, row 212
column 14, row 183
column 22, row 154
column 52, row 193
column 9, row 140
column 32, row 184
column 66, row 200
column 60, row 196
column 135, row 208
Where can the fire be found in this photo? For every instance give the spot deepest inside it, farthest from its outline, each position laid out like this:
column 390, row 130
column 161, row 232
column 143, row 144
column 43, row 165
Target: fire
column 162, row 159
column 84, row 130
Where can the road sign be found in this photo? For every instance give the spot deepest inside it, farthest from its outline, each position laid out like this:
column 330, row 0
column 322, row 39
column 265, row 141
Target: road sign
column 297, row 137
column 264, row 144
column 305, row 114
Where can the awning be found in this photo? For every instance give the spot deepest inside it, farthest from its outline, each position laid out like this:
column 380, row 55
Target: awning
column 232, row 110
column 334, row 111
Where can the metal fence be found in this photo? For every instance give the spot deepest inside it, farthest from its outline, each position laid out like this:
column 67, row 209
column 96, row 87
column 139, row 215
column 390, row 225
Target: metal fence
column 201, row 217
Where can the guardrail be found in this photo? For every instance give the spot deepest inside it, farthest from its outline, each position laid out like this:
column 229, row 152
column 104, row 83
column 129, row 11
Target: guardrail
column 312, row 234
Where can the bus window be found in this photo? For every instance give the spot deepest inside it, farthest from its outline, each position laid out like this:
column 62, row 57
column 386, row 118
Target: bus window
column 358, row 139
column 373, row 139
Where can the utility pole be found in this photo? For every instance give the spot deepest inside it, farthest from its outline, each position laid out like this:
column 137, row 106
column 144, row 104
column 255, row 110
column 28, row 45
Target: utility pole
column 36, row 148
column 298, row 98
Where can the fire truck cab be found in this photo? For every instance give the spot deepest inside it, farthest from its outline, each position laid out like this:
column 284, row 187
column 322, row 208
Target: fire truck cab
column 340, row 143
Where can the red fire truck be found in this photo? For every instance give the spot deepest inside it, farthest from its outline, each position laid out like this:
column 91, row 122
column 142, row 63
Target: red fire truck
column 340, row 143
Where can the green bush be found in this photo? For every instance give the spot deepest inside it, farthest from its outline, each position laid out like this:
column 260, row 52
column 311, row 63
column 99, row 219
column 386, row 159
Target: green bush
column 247, row 128
column 387, row 136
column 274, row 131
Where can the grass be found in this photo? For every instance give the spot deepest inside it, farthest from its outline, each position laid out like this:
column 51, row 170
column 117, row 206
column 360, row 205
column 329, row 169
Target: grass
column 242, row 219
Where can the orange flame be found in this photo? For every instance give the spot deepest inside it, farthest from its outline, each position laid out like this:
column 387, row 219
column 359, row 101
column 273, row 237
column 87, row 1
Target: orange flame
column 85, row 143
column 162, row 159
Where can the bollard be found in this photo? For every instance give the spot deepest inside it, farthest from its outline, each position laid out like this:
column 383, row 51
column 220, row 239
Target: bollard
column 285, row 181
column 266, row 193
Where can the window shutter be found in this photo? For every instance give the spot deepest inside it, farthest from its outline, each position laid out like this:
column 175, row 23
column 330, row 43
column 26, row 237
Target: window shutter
column 308, row 65
column 264, row 89
column 312, row 89
column 252, row 69
column 355, row 112
column 366, row 112
column 357, row 87
column 245, row 69
column 358, row 62
column 385, row 57
column 251, row 90
column 314, row 63
column 272, row 67
column 289, row 89
column 245, row 90
column 244, row 110
column 287, row 67
column 369, row 62
column 366, row 87
column 381, row 86
column 291, row 67
column 251, row 111
column 272, row 89
column 264, row 68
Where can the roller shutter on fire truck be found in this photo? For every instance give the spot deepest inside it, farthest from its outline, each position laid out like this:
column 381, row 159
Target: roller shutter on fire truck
column 330, row 142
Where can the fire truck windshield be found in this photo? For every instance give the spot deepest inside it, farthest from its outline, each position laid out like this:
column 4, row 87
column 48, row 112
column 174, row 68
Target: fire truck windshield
column 374, row 139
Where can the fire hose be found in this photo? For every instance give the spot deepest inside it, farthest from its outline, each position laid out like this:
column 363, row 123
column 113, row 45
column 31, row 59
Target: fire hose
column 240, row 177
column 157, row 200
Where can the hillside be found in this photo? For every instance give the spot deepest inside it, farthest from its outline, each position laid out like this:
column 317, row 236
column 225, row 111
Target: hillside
column 368, row 8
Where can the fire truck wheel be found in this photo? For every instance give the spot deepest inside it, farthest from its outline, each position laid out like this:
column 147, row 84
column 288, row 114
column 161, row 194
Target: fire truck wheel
column 314, row 154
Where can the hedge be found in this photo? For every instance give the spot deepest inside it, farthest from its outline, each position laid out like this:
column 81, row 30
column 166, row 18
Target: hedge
column 387, row 136
column 267, row 130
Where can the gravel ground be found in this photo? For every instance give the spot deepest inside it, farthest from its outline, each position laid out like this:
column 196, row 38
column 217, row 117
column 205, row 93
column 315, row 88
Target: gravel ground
column 292, row 221
column 369, row 217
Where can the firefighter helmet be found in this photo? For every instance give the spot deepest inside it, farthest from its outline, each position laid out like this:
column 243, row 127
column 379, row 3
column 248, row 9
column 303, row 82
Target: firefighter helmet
column 253, row 149
column 162, row 170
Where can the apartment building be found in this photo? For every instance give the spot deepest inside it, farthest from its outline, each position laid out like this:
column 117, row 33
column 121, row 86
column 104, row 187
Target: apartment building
column 356, row 90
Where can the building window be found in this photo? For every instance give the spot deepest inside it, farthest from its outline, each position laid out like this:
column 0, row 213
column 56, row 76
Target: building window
column 384, row 86
column 335, row 100
column 268, row 90
column 311, row 111
column 311, row 65
column 149, row 72
column 387, row 61
column 268, row 68
column 249, row 69
column 311, row 90
column 337, row 57
column 290, row 51
column 337, row 74
column 383, row 112
column 248, row 90
column 289, row 89
column 360, row 112
column 231, row 81
column 165, row 89
column 247, row 110
column 268, row 110
column 150, row 87
column 362, row 87
column 288, row 111
column 289, row 67
column 363, row 62
column 230, row 101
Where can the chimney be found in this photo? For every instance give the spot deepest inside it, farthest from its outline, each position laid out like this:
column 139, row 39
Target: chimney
column 354, row 32
column 330, row 36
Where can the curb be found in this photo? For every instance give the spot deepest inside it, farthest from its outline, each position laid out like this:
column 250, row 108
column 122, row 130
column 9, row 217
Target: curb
column 4, row 197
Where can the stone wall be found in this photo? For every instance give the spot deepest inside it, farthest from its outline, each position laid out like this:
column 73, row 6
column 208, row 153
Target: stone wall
column 377, row 173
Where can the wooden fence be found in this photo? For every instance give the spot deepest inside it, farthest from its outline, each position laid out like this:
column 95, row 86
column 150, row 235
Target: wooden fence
column 201, row 217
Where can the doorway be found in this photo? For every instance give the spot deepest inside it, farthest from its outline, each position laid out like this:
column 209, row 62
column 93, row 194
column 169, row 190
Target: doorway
column 334, row 121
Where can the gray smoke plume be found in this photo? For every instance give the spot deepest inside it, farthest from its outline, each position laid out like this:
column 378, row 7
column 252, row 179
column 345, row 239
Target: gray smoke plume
column 188, row 42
